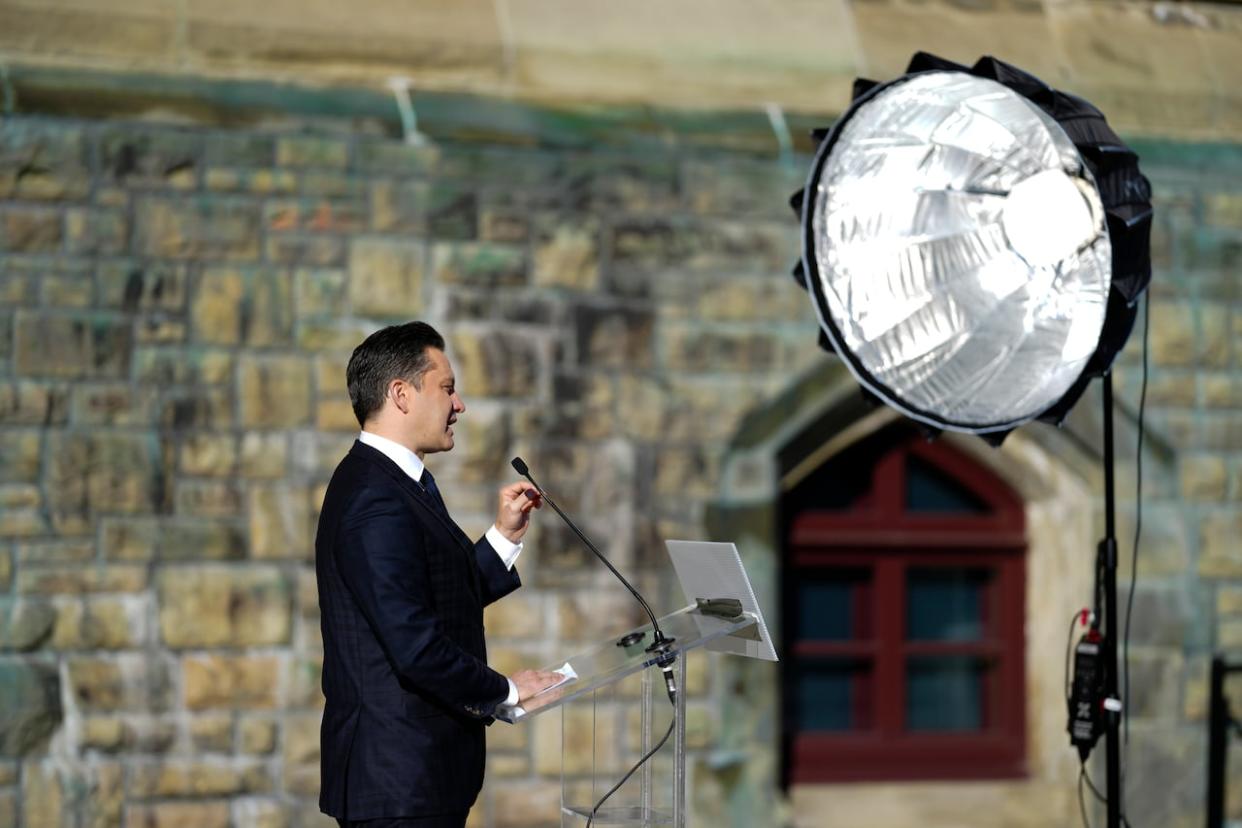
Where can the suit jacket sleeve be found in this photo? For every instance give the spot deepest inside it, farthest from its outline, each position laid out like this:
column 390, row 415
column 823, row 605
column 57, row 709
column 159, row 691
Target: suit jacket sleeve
column 496, row 580
column 383, row 564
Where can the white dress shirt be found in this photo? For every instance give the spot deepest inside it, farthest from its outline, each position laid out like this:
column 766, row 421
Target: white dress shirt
column 412, row 465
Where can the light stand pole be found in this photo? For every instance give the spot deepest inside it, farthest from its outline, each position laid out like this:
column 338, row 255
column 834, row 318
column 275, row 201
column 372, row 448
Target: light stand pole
column 1107, row 553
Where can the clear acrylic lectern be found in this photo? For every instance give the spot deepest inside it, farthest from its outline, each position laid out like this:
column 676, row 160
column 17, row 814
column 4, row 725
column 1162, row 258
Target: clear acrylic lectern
column 597, row 724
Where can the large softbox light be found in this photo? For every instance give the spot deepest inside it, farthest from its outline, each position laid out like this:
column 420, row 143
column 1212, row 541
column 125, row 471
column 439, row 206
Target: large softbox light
column 974, row 243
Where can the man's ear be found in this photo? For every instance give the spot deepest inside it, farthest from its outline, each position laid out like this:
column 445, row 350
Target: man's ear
column 399, row 393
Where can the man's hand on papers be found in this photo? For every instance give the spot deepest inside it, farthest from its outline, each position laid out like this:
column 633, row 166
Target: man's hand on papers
column 530, row 682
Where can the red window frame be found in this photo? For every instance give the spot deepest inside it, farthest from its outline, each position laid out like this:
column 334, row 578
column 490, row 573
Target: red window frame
column 880, row 535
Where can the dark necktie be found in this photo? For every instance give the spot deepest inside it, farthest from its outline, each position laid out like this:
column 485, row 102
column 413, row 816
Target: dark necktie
column 429, row 484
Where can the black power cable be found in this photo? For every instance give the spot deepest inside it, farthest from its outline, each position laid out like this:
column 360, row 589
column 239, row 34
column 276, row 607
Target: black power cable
column 1138, row 529
column 631, row 771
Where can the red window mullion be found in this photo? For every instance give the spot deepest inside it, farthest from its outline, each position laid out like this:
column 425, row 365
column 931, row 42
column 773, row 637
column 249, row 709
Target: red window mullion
column 889, row 614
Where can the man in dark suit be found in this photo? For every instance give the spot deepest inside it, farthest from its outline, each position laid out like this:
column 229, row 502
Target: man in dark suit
column 401, row 594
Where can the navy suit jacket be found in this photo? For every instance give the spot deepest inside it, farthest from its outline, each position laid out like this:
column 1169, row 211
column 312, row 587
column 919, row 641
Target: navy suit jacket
column 405, row 676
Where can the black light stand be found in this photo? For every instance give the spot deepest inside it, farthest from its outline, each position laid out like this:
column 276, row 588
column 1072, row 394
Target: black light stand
column 1220, row 724
column 1107, row 553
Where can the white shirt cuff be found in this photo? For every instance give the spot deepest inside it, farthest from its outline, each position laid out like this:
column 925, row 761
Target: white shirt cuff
column 505, row 548
column 513, row 693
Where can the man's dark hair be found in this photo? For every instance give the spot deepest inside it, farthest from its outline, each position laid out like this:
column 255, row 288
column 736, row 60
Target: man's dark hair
column 396, row 352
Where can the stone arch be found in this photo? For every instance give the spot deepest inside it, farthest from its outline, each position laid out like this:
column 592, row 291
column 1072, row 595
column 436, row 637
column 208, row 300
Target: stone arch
column 1055, row 472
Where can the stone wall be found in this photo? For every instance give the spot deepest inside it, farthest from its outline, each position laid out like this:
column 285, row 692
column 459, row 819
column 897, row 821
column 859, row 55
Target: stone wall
column 1164, row 68
column 176, row 308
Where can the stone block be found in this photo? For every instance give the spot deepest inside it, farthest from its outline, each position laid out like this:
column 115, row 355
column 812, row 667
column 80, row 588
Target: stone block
column 306, row 250
column 386, row 277
column 21, row 513
column 1215, row 339
column 212, row 733
column 495, row 364
column 114, row 404
column 191, row 778
column 242, row 682
column 20, row 456
column 1172, row 337
column 691, row 472
column 319, row 293
column 68, row 285
column 478, row 264
column 208, row 498
column 1204, row 477
column 217, row 607
column 178, row 815
column 647, row 251
column 183, row 366
column 1221, row 390
column 335, row 415
column 24, row 625
column 263, row 455
column 305, row 683
column 1229, row 633
column 198, row 407
column 56, row 551
column 32, row 711
column 207, row 228
column 525, row 804
column 131, row 734
column 151, row 158
column 254, row 306
column 567, row 254
column 613, row 337
column 43, row 161
column 102, row 623
column 277, row 182
column 301, row 754
column 208, row 455
column 24, row 402
column 240, row 149
column 96, row 231
column 72, row 346
column 257, row 736
column 101, row 471
column 315, row 215
column 311, row 151
column 518, row 616
column 43, row 795
column 274, row 391
column 191, row 539
column 333, row 336
column 30, row 230
column 143, row 287
column 280, row 522
column 262, row 813
column 128, row 539
column 693, row 349
column 1220, row 554
column 127, row 682
column 508, row 766
column 66, row 579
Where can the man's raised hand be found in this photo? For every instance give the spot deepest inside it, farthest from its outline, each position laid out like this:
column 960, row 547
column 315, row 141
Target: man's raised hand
column 513, row 512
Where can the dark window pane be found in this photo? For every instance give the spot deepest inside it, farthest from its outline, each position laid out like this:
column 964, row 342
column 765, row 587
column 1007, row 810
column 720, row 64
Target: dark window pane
column 928, row 489
column 944, row 694
column 834, row 606
column 946, row 604
column 833, row 696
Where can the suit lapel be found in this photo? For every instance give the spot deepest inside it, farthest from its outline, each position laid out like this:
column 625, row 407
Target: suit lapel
column 425, row 502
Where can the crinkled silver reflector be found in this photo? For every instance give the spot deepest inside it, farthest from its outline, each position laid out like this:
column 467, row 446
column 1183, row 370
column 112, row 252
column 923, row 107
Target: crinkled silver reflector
column 961, row 262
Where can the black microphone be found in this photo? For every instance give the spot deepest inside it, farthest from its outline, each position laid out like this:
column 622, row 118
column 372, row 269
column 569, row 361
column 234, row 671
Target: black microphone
column 661, row 645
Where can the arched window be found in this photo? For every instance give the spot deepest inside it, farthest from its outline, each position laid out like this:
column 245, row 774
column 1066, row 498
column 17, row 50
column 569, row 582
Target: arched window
column 903, row 615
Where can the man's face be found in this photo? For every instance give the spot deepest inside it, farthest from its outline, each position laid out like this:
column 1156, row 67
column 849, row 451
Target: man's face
column 434, row 407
